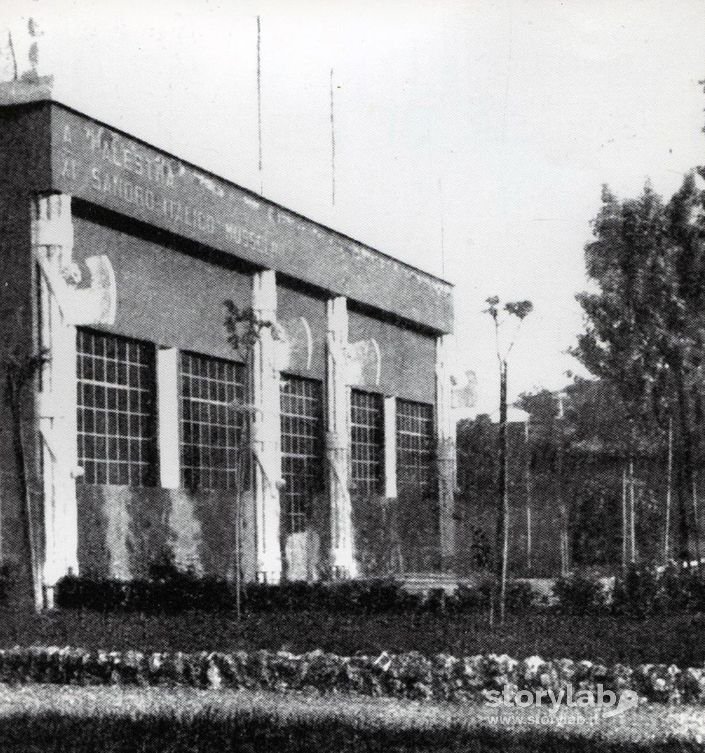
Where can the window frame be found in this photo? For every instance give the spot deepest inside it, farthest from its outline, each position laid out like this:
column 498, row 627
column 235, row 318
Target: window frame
column 297, row 520
column 108, row 410
column 367, row 485
column 423, row 473
column 238, row 391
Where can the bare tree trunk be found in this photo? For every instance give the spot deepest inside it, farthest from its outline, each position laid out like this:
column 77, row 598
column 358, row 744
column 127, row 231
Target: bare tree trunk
column 562, row 509
column 241, row 480
column 669, row 484
column 686, row 476
column 625, row 555
column 527, row 450
column 14, row 388
column 632, row 514
column 502, row 538
column 696, row 527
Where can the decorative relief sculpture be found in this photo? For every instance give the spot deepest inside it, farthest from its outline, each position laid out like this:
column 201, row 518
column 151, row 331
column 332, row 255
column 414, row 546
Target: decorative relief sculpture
column 294, row 344
column 364, row 363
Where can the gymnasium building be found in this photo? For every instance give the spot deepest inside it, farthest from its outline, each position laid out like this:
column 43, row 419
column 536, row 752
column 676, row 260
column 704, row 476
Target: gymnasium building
column 124, row 404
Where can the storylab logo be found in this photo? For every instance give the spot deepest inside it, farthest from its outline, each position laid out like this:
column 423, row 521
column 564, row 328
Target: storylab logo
column 607, row 702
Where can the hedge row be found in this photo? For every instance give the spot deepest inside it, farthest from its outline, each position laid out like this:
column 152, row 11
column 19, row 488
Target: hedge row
column 409, row 675
column 178, row 592
column 643, row 590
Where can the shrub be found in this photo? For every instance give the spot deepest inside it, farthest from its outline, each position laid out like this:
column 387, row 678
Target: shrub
column 682, row 589
column 6, row 580
column 644, row 591
column 171, row 595
column 521, row 597
column 472, row 599
column 171, row 590
column 637, row 593
column 401, row 675
column 345, row 597
column 579, row 595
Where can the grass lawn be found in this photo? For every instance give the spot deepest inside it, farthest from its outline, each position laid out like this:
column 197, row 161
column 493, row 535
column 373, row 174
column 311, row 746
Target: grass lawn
column 676, row 639
column 49, row 718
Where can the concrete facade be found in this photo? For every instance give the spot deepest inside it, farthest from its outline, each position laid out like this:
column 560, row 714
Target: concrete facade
column 106, row 235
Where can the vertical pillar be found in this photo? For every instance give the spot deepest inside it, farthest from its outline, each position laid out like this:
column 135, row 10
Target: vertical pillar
column 338, row 439
column 168, row 417
column 446, row 434
column 390, row 447
column 266, row 432
column 52, row 239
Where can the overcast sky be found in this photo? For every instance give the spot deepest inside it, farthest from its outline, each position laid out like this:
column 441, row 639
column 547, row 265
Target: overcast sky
column 483, row 128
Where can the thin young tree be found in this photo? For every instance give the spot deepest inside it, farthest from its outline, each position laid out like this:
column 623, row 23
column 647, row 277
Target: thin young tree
column 19, row 371
column 244, row 329
column 515, row 311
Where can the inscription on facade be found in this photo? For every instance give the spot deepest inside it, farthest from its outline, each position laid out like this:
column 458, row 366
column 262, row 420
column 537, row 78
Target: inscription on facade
column 104, row 167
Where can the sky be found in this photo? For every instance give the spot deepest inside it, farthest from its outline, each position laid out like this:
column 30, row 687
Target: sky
column 471, row 138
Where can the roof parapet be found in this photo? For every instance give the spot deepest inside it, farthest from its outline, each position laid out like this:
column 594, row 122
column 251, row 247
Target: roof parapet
column 26, row 89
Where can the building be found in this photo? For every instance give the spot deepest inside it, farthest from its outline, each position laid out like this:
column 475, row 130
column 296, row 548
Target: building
column 115, row 261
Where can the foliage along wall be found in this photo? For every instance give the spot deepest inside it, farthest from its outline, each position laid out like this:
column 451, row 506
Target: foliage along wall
column 396, row 535
column 124, row 530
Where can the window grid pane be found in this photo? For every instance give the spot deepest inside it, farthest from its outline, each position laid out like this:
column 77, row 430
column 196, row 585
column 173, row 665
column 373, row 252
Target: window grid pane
column 302, row 449
column 116, row 410
column 367, row 442
column 211, row 425
column 414, row 445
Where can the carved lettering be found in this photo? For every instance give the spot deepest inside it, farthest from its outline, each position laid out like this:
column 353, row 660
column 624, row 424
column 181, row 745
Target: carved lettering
column 249, row 239
column 69, row 168
column 95, row 163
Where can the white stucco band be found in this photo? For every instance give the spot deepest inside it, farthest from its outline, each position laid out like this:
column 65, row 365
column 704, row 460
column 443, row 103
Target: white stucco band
column 266, row 432
column 168, row 417
column 338, row 439
column 390, row 447
column 62, row 306
column 446, row 437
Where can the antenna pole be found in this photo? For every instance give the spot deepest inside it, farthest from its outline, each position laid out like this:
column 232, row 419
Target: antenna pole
column 443, row 250
column 332, row 139
column 259, row 101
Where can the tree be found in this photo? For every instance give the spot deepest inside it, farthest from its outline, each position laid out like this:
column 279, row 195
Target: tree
column 244, row 329
column 517, row 310
column 477, row 475
column 580, row 443
column 19, row 370
column 645, row 325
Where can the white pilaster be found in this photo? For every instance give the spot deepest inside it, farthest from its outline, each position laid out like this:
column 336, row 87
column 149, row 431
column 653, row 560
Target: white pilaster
column 338, row 439
column 446, row 452
column 390, row 447
column 266, row 432
column 62, row 306
column 52, row 236
column 168, row 417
